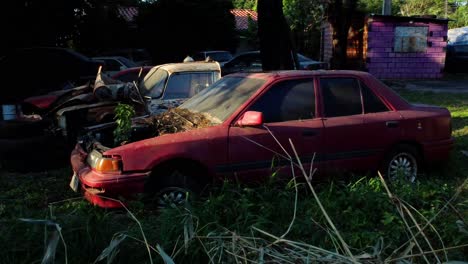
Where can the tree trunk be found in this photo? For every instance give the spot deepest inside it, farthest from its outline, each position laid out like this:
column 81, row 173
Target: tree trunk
column 276, row 49
column 340, row 16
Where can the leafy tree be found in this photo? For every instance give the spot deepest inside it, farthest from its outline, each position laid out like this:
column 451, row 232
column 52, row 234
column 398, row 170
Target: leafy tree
column 36, row 23
column 423, row 7
column 245, row 4
column 99, row 27
column 373, row 6
column 460, row 16
column 305, row 18
column 174, row 29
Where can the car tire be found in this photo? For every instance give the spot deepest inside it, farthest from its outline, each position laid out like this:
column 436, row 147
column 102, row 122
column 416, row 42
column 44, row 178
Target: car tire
column 402, row 163
column 173, row 188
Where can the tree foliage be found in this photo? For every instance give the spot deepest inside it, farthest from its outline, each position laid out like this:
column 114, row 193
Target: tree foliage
column 245, row 4
column 100, row 27
column 305, row 18
column 456, row 10
column 174, row 29
column 36, row 23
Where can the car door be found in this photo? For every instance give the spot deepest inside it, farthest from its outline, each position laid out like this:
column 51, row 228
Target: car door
column 288, row 109
column 355, row 134
column 343, row 120
column 382, row 126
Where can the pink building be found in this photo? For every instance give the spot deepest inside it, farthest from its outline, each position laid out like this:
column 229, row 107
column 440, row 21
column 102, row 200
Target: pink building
column 392, row 47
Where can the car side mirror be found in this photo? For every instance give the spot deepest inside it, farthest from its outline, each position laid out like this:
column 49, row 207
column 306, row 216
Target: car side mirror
column 250, row 118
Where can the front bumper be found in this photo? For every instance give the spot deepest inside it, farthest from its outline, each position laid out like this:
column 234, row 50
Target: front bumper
column 103, row 189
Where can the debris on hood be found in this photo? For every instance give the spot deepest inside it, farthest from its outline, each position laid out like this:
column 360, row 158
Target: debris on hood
column 176, row 120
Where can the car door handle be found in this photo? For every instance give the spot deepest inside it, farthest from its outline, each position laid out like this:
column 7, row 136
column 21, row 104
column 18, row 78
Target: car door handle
column 310, row 133
column 392, row 124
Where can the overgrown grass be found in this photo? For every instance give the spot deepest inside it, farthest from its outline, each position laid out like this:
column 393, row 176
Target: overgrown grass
column 237, row 222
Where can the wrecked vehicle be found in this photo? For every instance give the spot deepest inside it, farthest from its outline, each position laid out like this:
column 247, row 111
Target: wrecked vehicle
column 163, row 87
column 339, row 120
column 65, row 115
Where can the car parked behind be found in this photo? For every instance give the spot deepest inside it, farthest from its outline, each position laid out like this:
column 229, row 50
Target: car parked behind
column 139, row 55
column 131, row 74
column 250, row 61
column 457, row 58
column 220, row 56
column 36, row 71
column 337, row 120
column 114, row 64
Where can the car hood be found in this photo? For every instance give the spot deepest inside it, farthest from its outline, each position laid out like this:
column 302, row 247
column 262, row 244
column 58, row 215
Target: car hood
column 177, row 145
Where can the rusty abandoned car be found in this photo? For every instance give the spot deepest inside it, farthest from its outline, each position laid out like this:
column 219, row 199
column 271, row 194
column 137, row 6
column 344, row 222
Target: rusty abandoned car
column 347, row 120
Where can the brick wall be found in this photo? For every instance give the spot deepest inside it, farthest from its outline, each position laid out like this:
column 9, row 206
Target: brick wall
column 383, row 62
column 326, row 52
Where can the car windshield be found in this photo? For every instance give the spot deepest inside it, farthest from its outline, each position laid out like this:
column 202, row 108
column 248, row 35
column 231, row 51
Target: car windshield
column 224, row 97
column 153, row 83
column 128, row 63
column 220, row 56
column 302, row 58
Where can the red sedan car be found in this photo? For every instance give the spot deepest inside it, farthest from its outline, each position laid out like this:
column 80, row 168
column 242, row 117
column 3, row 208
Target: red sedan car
column 349, row 120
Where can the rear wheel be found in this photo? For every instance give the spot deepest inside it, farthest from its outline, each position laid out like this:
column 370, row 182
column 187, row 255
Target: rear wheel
column 403, row 163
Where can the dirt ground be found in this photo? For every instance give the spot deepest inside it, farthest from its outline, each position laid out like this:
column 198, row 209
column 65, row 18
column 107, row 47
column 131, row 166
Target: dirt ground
column 450, row 83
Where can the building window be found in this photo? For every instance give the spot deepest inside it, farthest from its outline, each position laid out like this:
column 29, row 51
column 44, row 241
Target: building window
column 410, row 39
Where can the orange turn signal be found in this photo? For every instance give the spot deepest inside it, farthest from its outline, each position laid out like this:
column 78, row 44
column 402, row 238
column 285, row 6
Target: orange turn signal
column 106, row 165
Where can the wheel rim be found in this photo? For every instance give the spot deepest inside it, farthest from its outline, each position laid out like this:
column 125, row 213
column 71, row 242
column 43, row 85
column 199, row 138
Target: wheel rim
column 172, row 196
column 403, row 166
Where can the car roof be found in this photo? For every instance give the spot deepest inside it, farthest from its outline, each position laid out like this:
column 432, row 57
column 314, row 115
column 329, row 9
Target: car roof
column 191, row 66
column 299, row 73
column 109, row 57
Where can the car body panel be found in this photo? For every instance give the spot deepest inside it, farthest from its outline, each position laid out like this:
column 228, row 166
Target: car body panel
column 351, row 142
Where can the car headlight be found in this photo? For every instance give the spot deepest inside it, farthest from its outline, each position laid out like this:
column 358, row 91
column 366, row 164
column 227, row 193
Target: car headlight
column 104, row 163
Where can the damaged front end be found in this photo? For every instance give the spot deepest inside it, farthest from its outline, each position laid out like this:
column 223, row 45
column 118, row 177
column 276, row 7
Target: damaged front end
column 101, row 176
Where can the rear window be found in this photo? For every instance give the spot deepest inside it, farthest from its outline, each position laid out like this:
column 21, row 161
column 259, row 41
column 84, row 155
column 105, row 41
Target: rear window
column 185, row 85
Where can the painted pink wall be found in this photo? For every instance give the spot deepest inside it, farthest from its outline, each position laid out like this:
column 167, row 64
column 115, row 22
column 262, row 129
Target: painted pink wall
column 327, row 42
column 384, row 63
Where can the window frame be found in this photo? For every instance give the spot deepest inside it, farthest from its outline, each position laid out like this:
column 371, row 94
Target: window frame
column 360, row 81
column 317, row 113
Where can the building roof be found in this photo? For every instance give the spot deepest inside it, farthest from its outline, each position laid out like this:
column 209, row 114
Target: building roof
column 242, row 17
column 428, row 19
column 129, row 13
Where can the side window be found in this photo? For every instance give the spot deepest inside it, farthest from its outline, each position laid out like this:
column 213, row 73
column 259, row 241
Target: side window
column 287, row 100
column 154, row 85
column 341, row 96
column 372, row 104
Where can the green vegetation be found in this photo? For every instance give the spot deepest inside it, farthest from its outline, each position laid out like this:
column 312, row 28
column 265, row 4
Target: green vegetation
column 123, row 118
column 273, row 222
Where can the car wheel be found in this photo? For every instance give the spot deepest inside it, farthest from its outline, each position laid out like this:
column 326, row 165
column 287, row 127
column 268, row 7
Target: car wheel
column 173, row 188
column 403, row 163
